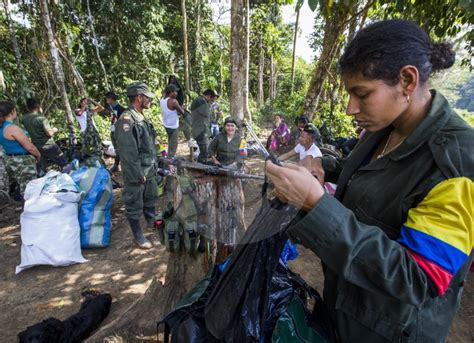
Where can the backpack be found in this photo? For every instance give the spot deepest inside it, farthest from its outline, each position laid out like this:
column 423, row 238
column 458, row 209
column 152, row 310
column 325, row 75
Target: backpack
column 178, row 227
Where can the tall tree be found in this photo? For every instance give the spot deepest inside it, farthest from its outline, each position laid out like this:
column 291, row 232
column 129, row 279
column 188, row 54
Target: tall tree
column 260, row 70
column 95, row 42
column 336, row 21
column 299, row 4
column 16, row 48
column 239, row 59
column 59, row 73
column 198, row 60
column 187, row 83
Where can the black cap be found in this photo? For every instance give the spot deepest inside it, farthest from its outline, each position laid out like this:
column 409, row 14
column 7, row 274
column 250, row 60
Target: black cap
column 230, row 120
column 139, row 88
column 111, row 95
column 310, row 128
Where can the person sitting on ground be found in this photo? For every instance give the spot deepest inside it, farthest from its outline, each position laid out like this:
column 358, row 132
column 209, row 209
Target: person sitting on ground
column 91, row 141
column 396, row 241
column 170, row 108
column 306, row 148
column 21, row 154
column 280, row 136
column 41, row 134
column 228, row 148
column 114, row 110
column 201, row 113
column 295, row 132
column 308, row 152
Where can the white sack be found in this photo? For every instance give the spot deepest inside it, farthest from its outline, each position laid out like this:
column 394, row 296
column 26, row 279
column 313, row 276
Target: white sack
column 50, row 232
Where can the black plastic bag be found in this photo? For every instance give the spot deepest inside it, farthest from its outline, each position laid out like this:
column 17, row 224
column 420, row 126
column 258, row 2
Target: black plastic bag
column 76, row 328
column 186, row 321
column 249, row 297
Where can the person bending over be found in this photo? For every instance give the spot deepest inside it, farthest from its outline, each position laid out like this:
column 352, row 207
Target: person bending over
column 396, row 240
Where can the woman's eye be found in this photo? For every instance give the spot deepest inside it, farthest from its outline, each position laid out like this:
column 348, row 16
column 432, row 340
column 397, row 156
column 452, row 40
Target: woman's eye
column 362, row 96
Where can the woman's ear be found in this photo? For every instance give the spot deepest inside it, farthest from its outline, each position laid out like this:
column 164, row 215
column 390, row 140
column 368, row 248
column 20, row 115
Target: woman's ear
column 409, row 79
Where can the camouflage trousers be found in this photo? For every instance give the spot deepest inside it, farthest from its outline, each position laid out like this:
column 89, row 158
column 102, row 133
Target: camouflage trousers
column 22, row 169
column 3, row 172
column 91, row 142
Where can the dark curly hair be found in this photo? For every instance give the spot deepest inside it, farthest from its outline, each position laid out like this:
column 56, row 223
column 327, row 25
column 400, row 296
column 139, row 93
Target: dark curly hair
column 381, row 49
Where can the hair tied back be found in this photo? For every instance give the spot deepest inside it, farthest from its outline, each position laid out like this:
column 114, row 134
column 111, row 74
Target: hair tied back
column 442, row 56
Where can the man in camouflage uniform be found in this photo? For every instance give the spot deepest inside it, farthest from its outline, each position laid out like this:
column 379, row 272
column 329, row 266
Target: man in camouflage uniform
column 135, row 138
column 41, row 134
column 201, row 113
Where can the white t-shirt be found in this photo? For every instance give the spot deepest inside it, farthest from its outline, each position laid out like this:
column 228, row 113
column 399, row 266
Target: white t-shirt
column 82, row 119
column 312, row 151
column 170, row 117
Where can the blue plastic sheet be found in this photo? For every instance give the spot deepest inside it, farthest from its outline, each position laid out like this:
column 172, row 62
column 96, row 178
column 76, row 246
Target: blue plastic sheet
column 289, row 252
column 94, row 212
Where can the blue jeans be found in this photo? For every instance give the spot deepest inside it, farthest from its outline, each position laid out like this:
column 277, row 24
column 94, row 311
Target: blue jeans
column 214, row 130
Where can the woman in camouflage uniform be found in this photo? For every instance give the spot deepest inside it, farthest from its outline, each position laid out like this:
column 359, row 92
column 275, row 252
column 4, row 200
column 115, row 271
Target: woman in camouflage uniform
column 20, row 154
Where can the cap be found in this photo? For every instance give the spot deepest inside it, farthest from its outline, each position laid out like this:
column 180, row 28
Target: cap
column 230, row 120
column 139, row 88
column 310, row 128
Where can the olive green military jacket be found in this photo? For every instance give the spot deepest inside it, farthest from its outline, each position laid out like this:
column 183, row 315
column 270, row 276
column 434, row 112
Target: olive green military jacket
column 225, row 152
column 396, row 241
column 136, row 142
column 37, row 126
column 201, row 114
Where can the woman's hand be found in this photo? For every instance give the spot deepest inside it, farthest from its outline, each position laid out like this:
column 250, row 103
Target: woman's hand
column 295, row 185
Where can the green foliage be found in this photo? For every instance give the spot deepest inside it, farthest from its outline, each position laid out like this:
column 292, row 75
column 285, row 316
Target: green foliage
column 142, row 40
column 467, row 115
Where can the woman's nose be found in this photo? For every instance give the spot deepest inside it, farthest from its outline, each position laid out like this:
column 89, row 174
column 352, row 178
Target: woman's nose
column 352, row 106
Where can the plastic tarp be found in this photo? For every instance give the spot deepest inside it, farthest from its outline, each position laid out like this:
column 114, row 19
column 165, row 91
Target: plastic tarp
column 49, row 224
column 251, row 293
column 247, row 300
column 94, row 212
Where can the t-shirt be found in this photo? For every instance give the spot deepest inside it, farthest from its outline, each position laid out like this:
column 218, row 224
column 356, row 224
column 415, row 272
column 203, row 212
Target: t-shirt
column 312, row 151
column 82, row 120
column 170, row 117
column 37, row 127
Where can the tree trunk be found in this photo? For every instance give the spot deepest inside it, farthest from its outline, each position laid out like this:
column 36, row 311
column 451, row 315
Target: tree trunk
column 16, row 49
column 293, row 58
column 63, row 51
column 57, row 68
column 239, row 61
column 247, row 113
column 198, row 67
column 261, row 67
column 272, row 79
column 221, row 204
column 333, row 28
column 95, row 42
column 187, row 84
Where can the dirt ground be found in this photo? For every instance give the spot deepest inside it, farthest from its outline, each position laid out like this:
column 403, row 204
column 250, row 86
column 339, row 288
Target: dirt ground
column 125, row 272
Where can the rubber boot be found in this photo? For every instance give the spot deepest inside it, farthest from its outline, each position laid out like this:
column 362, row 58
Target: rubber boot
column 137, row 231
column 150, row 215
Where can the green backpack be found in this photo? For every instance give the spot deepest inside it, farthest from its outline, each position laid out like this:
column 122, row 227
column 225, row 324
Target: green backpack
column 180, row 231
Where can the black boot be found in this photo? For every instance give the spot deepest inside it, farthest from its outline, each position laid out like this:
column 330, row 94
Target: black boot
column 137, row 231
column 150, row 215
